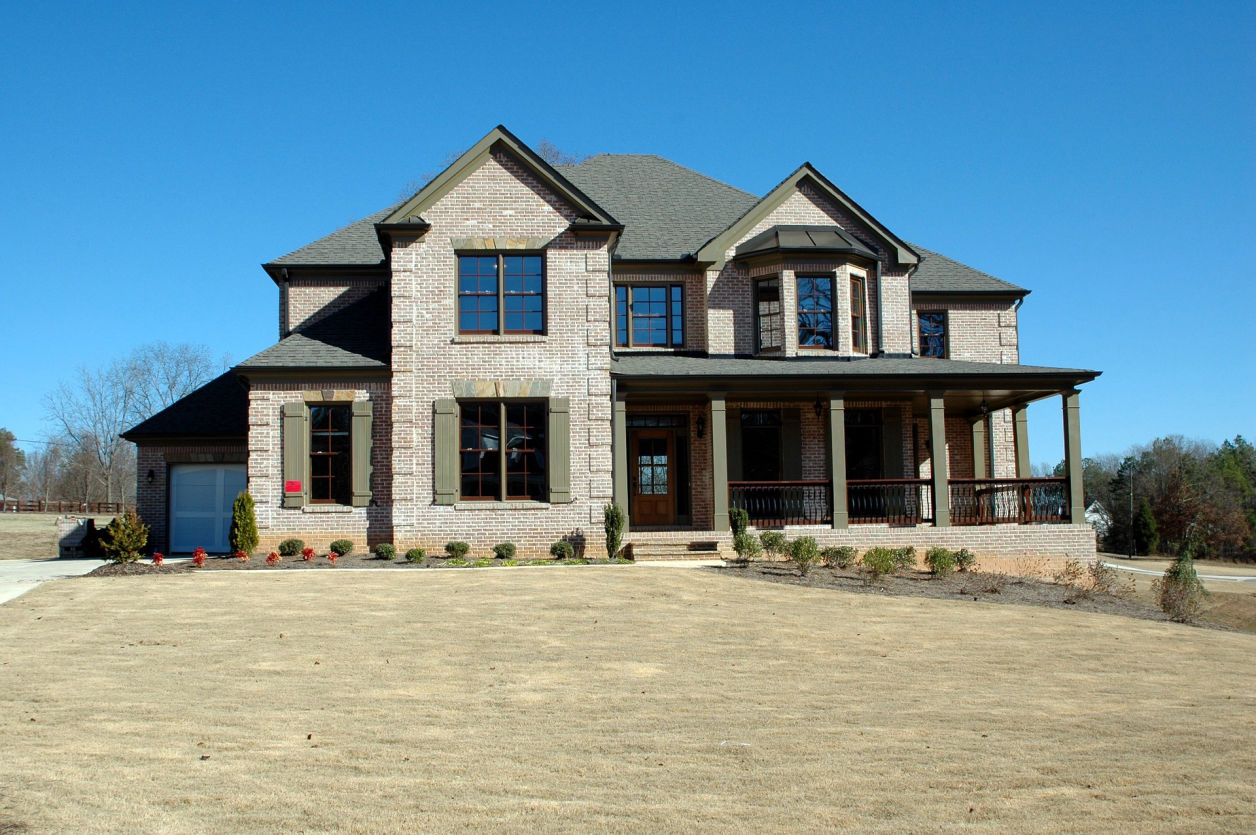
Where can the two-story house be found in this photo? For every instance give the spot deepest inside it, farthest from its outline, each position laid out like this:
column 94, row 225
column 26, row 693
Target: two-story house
column 518, row 345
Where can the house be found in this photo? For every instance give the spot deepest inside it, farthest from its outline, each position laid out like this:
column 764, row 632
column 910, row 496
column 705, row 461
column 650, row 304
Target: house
column 1097, row 517
column 518, row 344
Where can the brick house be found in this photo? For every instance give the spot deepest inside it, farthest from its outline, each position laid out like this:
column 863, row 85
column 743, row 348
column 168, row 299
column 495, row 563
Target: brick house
column 517, row 345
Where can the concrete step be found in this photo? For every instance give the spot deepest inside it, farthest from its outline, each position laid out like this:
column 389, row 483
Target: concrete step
column 674, row 550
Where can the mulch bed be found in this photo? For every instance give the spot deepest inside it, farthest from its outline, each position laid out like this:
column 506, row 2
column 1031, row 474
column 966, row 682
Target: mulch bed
column 257, row 562
column 135, row 569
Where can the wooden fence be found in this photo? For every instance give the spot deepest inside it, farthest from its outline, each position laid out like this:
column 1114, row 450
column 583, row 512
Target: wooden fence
column 40, row 506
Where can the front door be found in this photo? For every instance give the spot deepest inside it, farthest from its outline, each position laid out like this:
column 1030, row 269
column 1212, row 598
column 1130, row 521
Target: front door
column 653, row 475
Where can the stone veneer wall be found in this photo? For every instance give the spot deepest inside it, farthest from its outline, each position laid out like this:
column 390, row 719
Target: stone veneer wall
column 152, row 500
column 501, row 199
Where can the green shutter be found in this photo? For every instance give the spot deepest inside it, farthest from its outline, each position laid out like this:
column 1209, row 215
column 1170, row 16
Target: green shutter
column 733, row 436
column 445, row 450
column 296, row 440
column 791, row 445
column 891, row 443
column 559, row 450
column 360, row 447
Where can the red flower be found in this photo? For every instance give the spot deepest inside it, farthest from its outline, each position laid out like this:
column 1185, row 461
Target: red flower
column 241, row 556
column 307, row 553
column 198, row 557
column 332, row 556
column 158, row 559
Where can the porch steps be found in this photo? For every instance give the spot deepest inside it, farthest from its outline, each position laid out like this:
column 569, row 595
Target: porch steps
column 645, row 549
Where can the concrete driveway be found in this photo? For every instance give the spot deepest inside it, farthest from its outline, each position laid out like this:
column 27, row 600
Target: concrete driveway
column 20, row 576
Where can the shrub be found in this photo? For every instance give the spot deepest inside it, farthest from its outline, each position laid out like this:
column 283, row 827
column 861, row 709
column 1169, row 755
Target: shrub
column 243, row 534
column 482, row 563
column 738, row 519
column 504, row 550
column 385, row 551
column 341, row 547
column 457, row 550
column 747, row 547
column 1180, row 592
column 562, row 550
column 93, row 541
column 773, row 543
column 904, row 558
column 125, row 537
column 198, row 557
column 158, row 558
column 804, row 553
column 1104, row 579
column 273, row 558
column 242, row 556
column 941, row 561
column 1070, row 574
column 332, row 556
column 840, row 556
column 965, row 560
column 415, row 555
column 878, row 562
column 307, row 553
column 291, row 547
column 613, row 522
column 456, row 561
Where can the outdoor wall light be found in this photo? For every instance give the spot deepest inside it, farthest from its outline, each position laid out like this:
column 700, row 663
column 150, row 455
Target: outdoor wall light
column 818, row 406
column 701, row 425
column 152, row 476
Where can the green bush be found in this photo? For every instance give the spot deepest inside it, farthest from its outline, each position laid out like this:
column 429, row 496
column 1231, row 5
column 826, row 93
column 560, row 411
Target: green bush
column 747, row 547
column 738, row 519
column 483, row 562
column 840, row 556
column 941, row 561
column 613, row 522
column 878, row 562
column 904, row 558
column 965, row 560
column 385, row 551
column 1180, row 592
column 416, row 555
column 457, row 550
column 562, row 550
column 456, row 561
column 243, row 534
column 504, row 550
column 804, row 553
column 341, row 547
column 773, row 543
column 291, row 547
column 125, row 537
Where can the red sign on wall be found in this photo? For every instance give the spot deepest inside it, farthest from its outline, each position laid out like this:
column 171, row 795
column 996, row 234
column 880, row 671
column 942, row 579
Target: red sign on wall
column 292, row 487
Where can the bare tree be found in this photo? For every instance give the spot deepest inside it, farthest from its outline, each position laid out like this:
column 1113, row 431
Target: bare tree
column 12, row 461
column 416, row 185
column 163, row 373
column 39, row 480
column 555, row 155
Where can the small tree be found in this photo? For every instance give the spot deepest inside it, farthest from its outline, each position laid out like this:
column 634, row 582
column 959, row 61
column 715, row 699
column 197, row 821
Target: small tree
column 1180, row 591
column 243, row 534
column 1146, row 537
column 125, row 537
column 613, row 522
column 738, row 520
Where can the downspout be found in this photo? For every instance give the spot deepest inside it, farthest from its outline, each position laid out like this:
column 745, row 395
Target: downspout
column 284, row 292
column 880, row 312
column 912, row 348
column 610, row 281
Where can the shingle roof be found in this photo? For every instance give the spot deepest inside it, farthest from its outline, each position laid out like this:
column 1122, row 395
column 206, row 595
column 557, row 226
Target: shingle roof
column 803, row 239
column 939, row 274
column 668, row 211
column 355, row 337
column 672, row 365
column 354, row 244
column 218, row 409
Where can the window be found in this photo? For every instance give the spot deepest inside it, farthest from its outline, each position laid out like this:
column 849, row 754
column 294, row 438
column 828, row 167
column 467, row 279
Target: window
column 815, row 311
column 933, row 334
column 650, row 315
column 768, row 314
column 330, row 455
column 519, row 464
column 503, row 294
column 858, row 315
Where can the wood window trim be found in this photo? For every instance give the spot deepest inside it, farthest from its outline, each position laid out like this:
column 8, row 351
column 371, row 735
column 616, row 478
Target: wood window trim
column 798, row 311
column 858, row 311
column 503, row 495
column 671, row 318
column 334, row 491
column 946, row 333
column 500, row 330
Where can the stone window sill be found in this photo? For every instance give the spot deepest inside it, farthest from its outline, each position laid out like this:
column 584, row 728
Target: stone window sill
column 326, row 508
column 519, row 505
column 500, row 339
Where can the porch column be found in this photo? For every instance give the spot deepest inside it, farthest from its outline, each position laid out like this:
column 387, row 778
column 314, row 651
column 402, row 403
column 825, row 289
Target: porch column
column 937, row 452
column 619, row 430
column 719, row 462
column 1073, row 455
column 837, row 457
column 1020, row 425
column 979, row 448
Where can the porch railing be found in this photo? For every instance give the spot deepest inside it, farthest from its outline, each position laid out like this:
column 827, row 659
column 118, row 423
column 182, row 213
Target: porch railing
column 776, row 503
column 897, row 501
column 985, row 501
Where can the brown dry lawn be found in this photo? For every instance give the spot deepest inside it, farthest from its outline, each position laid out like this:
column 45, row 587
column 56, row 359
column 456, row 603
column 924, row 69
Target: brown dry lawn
column 28, row 536
column 614, row 698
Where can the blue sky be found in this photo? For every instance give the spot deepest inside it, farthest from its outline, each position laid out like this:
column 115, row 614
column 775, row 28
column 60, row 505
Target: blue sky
column 1101, row 154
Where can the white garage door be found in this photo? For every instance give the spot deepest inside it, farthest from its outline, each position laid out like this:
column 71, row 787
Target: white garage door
column 201, row 496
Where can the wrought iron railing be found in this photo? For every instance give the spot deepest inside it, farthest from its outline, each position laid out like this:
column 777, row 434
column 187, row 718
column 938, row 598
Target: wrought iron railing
column 985, row 501
column 898, row 501
column 777, row 503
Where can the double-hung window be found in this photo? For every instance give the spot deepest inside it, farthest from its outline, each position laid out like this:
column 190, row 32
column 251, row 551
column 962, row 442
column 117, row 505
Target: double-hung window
column 330, row 455
column 770, row 320
column 933, row 333
column 858, row 313
column 502, row 451
column 650, row 315
column 815, row 311
column 501, row 294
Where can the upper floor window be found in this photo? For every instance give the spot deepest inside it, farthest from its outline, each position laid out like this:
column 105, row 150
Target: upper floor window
column 650, row 315
column 501, row 294
column 858, row 314
column 933, row 334
column 330, row 455
column 513, row 469
column 769, row 318
column 815, row 311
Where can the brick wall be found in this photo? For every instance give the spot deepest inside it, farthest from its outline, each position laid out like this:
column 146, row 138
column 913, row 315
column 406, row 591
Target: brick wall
column 975, row 332
column 307, row 300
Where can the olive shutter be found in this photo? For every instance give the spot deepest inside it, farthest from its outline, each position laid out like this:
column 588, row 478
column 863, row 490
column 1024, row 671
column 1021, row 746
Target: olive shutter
column 791, row 445
column 891, row 443
column 445, row 450
column 559, row 450
column 360, row 447
column 732, row 422
column 295, row 453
